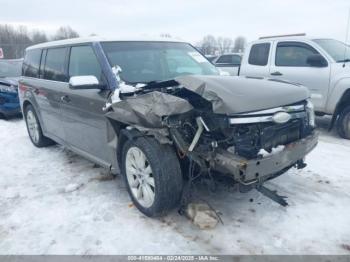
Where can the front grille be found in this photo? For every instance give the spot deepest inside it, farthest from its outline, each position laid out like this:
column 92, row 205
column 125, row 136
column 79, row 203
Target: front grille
column 249, row 139
column 275, row 135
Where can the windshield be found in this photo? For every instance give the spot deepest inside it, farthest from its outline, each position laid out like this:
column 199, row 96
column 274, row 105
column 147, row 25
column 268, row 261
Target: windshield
column 10, row 68
column 143, row 62
column 339, row 51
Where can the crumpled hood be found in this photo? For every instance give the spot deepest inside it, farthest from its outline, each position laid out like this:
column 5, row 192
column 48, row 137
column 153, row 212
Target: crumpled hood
column 232, row 95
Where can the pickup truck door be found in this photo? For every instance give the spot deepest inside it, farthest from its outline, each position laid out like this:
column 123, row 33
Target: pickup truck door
column 82, row 110
column 289, row 62
column 256, row 63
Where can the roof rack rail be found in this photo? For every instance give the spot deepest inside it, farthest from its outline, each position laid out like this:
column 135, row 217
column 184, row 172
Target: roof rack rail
column 273, row 36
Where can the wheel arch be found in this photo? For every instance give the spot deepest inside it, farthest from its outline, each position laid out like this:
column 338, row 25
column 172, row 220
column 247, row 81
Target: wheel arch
column 342, row 103
column 123, row 134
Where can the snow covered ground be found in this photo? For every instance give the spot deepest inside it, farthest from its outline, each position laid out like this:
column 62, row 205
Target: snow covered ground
column 55, row 202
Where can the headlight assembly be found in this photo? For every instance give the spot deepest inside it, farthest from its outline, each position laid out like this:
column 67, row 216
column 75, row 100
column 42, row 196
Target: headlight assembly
column 8, row 89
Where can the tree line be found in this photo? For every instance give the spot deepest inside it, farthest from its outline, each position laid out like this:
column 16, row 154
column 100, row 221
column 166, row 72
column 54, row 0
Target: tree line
column 14, row 40
column 211, row 45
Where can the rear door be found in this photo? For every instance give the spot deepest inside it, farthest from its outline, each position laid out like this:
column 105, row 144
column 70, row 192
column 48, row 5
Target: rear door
column 47, row 90
column 256, row 63
column 290, row 63
column 82, row 110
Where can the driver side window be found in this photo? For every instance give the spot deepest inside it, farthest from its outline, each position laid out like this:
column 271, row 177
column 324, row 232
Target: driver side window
column 293, row 54
column 83, row 62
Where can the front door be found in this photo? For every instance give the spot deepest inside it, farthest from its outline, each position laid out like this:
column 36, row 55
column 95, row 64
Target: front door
column 82, row 110
column 290, row 63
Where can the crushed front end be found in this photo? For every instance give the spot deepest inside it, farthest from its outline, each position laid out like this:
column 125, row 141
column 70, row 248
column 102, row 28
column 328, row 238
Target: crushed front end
column 221, row 125
column 252, row 147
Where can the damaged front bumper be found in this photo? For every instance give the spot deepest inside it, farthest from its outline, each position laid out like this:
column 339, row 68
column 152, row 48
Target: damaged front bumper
column 254, row 171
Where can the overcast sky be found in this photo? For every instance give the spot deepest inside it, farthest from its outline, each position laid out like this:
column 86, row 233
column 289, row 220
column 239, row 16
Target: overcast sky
column 187, row 19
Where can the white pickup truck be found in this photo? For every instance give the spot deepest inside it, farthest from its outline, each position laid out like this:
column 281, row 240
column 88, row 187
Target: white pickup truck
column 322, row 65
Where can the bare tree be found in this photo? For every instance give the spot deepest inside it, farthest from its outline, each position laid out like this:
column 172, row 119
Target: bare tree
column 208, row 45
column 240, row 43
column 165, row 35
column 38, row 37
column 65, row 32
column 224, row 44
column 14, row 41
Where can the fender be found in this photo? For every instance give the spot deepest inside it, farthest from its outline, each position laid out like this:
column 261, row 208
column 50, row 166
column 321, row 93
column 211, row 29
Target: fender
column 26, row 97
column 338, row 97
column 340, row 86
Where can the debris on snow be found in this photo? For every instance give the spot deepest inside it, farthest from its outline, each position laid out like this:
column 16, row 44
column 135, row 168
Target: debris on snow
column 202, row 215
column 106, row 177
column 72, row 187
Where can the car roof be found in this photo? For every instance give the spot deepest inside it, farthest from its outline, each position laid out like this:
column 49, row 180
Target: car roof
column 81, row 40
column 287, row 38
column 284, row 38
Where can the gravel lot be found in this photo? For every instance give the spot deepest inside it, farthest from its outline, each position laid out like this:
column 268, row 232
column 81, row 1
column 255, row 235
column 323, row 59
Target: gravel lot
column 55, row 202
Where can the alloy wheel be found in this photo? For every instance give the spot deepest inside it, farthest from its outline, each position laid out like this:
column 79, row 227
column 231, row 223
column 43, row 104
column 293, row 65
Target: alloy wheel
column 140, row 177
column 33, row 126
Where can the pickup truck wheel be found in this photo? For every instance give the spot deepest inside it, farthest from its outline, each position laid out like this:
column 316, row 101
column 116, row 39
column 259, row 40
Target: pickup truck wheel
column 34, row 128
column 343, row 124
column 152, row 174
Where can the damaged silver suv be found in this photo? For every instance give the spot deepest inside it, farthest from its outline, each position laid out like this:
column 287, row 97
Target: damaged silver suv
column 160, row 114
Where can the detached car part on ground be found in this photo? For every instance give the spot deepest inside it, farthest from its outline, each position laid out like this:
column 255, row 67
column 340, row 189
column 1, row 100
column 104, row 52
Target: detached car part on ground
column 164, row 135
column 217, row 125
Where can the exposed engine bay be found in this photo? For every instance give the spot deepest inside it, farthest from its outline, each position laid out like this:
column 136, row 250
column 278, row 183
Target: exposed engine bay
column 223, row 128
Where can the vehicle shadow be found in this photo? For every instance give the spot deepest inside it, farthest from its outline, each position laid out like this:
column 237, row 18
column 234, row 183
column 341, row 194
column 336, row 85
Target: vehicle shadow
column 12, row 118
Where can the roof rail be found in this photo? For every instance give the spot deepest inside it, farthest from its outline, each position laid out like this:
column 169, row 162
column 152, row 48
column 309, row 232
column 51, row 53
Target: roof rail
column 273, row 36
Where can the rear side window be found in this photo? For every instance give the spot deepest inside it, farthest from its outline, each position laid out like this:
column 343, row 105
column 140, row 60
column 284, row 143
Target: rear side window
column 259, row 54
column 224, row 59
column 83, row 62
column 293, row 54
column 55, row 64
column 31, row 63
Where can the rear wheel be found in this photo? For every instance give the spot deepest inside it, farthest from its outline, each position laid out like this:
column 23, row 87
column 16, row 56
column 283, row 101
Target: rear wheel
column 34, row 128
column 152, row 174
column 343, row 124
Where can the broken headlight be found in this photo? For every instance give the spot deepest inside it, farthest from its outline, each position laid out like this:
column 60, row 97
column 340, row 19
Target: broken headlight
column 8, row 89
column 310, row 113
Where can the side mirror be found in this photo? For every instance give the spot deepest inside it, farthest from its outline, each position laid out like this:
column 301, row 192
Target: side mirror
column 316, row 60
column 84, row 82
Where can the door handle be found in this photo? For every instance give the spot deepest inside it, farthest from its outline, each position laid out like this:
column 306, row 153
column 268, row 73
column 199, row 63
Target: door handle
column 65, row 99
column 276, row 73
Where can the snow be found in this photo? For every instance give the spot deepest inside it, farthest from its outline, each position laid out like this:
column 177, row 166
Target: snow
column 83, row 80
column 55, row 202
column 274, row 151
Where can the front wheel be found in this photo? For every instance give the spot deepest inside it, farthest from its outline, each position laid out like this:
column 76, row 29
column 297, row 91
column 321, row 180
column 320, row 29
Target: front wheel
column 343, row 124
column 152, row 174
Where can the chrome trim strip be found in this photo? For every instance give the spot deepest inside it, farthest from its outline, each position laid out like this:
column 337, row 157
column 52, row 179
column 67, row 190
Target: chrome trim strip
column 287, row 109
column 262, row 119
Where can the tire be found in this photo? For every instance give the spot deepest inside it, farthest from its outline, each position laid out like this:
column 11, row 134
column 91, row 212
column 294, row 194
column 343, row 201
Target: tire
column 159, row 164
column 34, row 128
column 343, row 124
